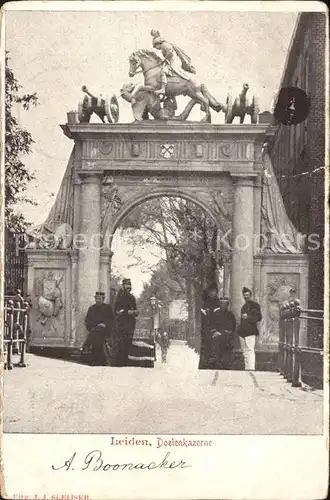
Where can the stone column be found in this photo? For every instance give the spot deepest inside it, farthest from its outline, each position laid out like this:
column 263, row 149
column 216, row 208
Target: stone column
column 88, row 244
column 105, row 269
column 242, row 241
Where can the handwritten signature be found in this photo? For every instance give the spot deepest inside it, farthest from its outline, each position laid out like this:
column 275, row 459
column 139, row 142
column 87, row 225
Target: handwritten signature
column 94, row 461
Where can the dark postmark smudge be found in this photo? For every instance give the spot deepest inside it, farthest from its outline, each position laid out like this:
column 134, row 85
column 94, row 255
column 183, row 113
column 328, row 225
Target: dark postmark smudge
column 292, row 106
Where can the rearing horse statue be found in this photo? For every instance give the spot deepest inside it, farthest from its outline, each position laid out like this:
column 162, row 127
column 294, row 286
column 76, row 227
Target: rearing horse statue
column 151, row 65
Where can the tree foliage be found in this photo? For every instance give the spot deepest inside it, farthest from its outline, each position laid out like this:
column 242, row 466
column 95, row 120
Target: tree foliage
column 18, row 142
column 187, row 238
column 166, row 290
column 184, row 233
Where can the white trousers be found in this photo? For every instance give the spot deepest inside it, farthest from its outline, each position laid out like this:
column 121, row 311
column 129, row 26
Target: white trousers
column 248, row 344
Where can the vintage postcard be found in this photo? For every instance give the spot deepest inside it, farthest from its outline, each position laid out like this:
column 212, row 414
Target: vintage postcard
column 164, row 245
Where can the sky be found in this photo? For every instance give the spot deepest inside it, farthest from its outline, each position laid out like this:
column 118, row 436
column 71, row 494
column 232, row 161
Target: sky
column 55, row 53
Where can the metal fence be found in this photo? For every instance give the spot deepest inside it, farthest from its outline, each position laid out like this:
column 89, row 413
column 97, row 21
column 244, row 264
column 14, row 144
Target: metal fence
column 16, row 326
column 298, row 362
column 15, row 261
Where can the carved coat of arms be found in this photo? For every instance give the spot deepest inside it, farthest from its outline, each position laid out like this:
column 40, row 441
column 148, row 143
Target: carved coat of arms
column 50, row 302
column 166, row 150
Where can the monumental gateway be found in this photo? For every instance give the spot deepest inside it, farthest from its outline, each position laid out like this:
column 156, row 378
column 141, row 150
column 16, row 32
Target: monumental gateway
column 113, row 167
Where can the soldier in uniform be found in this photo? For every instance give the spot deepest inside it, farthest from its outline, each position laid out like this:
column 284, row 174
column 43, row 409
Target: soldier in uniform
column 218, row 326
column 211, row 305
column 126, row 313
column 224, row 324
column 100, row 324
column 248, row 330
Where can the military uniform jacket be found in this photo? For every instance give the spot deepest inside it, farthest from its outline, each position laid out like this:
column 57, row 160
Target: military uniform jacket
column 99, row 313
column 224, row 321
column 209, row 316
column 249, row 326
column 125, row 301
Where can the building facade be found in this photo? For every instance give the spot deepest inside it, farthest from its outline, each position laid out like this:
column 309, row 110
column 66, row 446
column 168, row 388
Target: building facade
column 298, row 151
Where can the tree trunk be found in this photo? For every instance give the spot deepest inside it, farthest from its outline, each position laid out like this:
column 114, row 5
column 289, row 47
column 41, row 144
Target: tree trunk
column 198, row 290
column 191, row 308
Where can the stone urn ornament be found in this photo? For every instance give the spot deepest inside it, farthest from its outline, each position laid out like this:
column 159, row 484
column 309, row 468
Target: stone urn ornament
column 102, row 107
column 72, row 116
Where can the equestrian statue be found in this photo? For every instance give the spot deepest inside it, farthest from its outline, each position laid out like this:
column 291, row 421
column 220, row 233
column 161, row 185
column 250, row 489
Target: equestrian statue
column 167, row 72
column 169, row 75
column 145, row 102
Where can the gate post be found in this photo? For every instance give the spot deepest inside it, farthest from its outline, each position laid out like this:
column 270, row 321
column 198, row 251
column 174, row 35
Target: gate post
column 88, row 242
column 242, row 241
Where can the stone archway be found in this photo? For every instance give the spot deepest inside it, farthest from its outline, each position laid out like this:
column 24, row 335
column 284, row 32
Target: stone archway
column 138, row 197
column 115, row 167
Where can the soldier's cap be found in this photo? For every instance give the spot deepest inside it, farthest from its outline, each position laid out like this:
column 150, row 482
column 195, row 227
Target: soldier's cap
column 126, row 281
column 246, row 290
column 99, row 294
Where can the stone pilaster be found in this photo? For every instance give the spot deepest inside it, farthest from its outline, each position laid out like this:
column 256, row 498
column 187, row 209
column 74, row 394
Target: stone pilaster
column 242, row 241
column 88, row 243
column 105, row 270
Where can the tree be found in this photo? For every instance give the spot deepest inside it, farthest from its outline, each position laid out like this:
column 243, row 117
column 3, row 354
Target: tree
column 166, row 290
column 187, row 237
column 18, row 142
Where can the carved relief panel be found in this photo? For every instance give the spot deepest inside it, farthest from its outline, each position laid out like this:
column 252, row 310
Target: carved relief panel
column 280, row 288
column 49, row 298
column 241, row 151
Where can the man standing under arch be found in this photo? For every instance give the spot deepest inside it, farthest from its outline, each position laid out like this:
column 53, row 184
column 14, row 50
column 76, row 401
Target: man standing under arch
column 248, row 330
column 99, row 322
column 126, row 313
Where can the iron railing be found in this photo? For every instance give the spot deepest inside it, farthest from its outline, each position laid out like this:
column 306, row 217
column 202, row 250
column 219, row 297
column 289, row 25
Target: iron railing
column 16, row 324
column 292, row 351
column 16, row 265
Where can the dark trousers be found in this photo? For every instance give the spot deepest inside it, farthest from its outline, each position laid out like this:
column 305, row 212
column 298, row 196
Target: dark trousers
column 122, row 345
column 216, row 354
column 99, row 345
column 164, row 353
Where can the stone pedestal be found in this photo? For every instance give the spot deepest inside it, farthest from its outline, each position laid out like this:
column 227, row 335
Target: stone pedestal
column 242, row 242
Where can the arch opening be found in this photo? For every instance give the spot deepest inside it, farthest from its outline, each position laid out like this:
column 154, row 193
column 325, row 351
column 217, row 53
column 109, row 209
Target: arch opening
column 168, row 245
column 112, row 225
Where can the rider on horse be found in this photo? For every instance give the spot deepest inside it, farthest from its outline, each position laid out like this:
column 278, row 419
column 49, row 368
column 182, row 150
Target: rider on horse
column 176, row 61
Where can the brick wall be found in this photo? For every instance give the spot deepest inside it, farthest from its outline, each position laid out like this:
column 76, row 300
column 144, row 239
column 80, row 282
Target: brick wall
column 302, row 148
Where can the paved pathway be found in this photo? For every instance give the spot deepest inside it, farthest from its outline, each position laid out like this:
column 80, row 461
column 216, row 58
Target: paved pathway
column 58, row 396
